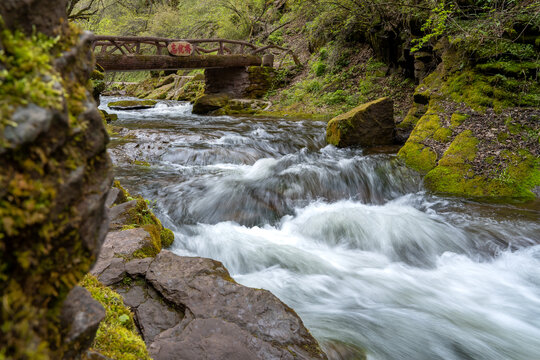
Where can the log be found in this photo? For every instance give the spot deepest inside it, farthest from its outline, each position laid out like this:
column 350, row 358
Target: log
column 165, row 62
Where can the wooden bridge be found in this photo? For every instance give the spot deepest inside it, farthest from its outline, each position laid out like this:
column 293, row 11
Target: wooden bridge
column 131, row 53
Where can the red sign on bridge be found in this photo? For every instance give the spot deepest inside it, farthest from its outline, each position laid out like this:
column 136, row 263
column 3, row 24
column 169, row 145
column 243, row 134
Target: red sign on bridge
column 180, row 48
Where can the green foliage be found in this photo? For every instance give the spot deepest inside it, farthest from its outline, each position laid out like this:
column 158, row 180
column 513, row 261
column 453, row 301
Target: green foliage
column 319, row 68
column 117, row 336
column 435, row 25
column 28, row 76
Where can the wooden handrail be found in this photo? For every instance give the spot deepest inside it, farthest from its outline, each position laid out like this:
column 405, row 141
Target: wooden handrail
column 132, row 45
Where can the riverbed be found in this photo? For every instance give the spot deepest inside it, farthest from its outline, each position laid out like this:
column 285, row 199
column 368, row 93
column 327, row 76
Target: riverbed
column 349, row 239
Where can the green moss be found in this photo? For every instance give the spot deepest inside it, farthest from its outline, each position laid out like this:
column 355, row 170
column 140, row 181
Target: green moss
column 27, row 62
column 457, row 119
column 502, row 136
column 117, row 336
column 124, row 195
column 461, row 151
column 37, row 275
column 167, row 237
column 418, row 157
column 426, row 127
column 442, row 135
column 132, row 103
column 454, row 174
column 510, row 68
column 153, row 247
column 413, row 115
column 141, row 163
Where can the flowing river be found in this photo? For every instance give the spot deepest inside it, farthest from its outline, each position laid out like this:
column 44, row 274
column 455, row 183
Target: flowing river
column 349, row 240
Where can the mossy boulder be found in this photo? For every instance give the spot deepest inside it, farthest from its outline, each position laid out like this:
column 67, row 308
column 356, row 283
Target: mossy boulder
column 370, row 124
column 208, row 103
column 132, row 104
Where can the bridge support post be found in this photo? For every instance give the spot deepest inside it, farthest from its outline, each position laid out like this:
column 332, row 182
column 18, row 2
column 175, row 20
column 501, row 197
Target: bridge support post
column 232, row 81
column 242, row 82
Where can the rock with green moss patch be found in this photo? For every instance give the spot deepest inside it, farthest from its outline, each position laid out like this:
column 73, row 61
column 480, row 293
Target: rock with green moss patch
column 209, row 103
column 370, row 124
column 132, row 104
column 117, row 337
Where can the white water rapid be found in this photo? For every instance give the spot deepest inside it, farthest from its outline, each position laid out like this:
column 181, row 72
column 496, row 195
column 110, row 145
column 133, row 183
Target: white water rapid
column 350, row 241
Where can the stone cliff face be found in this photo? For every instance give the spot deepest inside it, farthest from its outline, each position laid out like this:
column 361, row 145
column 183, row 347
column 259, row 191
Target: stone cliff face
column 54, row 178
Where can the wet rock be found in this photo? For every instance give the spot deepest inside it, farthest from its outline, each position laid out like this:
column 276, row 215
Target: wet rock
column 81, row 315
column 214, row 339
column 370, row 124
column 113, row 273
column 208, row 103
column 119, row 214
column 133, row 296
column 112, row 197
column 124, row 243
column 155, row 317
column 118, row 245
column 208, row 291
column 138, row 267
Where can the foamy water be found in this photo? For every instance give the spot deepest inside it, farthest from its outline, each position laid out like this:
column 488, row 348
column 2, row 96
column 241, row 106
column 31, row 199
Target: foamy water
column 352, row 242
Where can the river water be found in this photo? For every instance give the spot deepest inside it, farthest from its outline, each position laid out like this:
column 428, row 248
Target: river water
column 349, row 240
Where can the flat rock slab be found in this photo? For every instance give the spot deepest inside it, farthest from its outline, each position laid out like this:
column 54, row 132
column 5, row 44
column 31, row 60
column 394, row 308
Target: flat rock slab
column 190, row 308
column 118, row 245
column 132, row 104
column 205, row 288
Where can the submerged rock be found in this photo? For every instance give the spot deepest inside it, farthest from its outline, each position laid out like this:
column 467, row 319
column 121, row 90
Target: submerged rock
column 132, row 104
column 370, row 124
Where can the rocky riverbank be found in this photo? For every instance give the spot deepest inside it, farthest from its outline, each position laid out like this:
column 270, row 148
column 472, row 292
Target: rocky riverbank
column 184, row 307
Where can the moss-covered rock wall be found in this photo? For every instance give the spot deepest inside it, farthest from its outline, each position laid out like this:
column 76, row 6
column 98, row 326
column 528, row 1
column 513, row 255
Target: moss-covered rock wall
column 475, row 126
column 54, row 175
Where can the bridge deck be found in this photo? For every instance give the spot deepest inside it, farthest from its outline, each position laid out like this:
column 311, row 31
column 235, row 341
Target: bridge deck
column 165, row 62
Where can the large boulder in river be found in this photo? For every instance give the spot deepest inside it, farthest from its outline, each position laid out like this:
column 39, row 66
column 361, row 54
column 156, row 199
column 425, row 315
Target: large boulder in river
column 208, row 103
column 368, row 125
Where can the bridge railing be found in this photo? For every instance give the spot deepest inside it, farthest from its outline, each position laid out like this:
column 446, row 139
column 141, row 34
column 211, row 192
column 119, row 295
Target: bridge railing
column 137, row 45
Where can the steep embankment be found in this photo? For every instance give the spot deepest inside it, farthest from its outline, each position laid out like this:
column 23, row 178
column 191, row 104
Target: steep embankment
column 476, row 127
